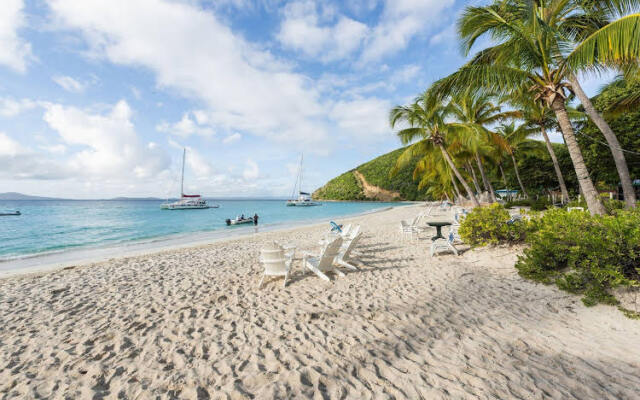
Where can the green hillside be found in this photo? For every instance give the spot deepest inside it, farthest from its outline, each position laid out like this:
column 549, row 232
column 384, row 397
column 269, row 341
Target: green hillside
column 536, row 169
column 376, row 173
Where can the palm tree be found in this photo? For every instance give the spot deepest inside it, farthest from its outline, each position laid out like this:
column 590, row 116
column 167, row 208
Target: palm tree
column 427, row 125
column 538, row 116
column 584, row 26
column 523, row 56
column 473, row 113
column 517, row 140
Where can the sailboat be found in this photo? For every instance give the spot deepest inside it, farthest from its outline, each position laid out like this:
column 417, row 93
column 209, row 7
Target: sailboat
column 304, row 198
column 187, row 201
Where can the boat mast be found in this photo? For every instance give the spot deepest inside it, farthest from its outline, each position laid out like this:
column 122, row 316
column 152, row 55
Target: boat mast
column 301, row 159
column 184, row 154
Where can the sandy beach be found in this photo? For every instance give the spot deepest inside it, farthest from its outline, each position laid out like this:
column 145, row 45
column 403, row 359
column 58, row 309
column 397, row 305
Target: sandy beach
column 191, row 323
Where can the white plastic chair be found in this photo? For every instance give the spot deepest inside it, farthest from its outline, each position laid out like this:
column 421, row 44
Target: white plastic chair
column 453, row 230
column 569, row 209
column 345, row 252
column 406, row 230
column 444, row 245
column 276, row 262
column 324, row 262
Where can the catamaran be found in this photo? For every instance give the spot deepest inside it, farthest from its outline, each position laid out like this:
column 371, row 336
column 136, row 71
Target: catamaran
column 304, row 198
column 187, row 201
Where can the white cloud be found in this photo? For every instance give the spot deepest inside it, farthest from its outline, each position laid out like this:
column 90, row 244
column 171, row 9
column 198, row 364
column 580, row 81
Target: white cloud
column 447, row 35
column 136, row 93
column 11, row 107
column 363, row 119
column 244, row 87
column 302, row 30
column 57, row 149
column 109, row 145
column 406, row 73
column 14, row 51
column 187, row 126
column 402, row 20
column 20, row 162
column 251, row 171
column 195, row 162
column 198, row 164
column 232, row 138
column 69, row 84
column 9, row 147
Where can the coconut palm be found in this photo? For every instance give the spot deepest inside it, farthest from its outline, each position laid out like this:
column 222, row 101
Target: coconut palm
column 523, row 56
column 518, row 142
column 429, row 127
column 537, row 116
column 473, row 113
column 583, row 26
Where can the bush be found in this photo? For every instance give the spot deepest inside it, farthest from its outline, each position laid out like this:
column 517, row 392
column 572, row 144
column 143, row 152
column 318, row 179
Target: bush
column 612, row 206
column 582, row 253
column 539, row 204
column 491, row 225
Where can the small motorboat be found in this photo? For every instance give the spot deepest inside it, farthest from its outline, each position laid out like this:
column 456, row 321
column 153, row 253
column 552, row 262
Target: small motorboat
column 239, row 221
column 9, row 213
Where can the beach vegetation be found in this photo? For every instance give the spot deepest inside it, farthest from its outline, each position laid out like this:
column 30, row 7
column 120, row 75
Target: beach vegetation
column 492, row 225
column 428, row 131
column 583, row 254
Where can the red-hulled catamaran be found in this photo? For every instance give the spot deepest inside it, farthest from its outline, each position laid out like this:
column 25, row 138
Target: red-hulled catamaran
column 187, row 201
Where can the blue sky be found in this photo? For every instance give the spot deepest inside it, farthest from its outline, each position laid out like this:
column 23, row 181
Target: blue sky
column 98, row 97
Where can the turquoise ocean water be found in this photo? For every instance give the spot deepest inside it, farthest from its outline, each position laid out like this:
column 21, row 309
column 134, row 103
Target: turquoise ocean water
column 47, row 227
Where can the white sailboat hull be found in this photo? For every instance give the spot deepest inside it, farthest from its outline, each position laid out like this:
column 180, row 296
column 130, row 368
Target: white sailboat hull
column 302, row 203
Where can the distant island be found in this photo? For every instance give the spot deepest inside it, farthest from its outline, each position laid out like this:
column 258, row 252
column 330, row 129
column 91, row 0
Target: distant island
column 20, row 196
column 15, row 196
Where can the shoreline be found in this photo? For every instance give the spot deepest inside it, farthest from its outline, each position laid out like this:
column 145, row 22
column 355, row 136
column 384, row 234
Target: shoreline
column 41, row 263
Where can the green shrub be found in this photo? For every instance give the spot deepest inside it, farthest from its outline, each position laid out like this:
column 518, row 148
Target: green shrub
column 539, row 204
column 582, row 253
column 491, row 225
column 612, row 206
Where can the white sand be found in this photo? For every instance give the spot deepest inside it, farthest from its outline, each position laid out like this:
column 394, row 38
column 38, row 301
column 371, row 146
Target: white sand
column 191, row 324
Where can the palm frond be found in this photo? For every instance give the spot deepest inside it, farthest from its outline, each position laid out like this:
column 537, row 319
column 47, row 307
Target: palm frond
column 617, row 43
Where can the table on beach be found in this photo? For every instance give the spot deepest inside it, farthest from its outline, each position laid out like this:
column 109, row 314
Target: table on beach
column 438, row 225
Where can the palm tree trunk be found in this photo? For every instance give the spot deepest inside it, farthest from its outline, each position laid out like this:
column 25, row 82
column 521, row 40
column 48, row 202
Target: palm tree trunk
column 504, row 177
column 474, row 178
column 612, row 140
column 455, row 170
column 586, row 185
column 556, row 166
column 485, row 180
column 515, row 167
column 455, row 185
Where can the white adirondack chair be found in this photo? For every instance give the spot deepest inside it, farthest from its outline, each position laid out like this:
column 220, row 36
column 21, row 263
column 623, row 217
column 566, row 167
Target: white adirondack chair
column 351, row 234
column 276, row 261
column 324, row 262
column 345, row 230
column 345, row 252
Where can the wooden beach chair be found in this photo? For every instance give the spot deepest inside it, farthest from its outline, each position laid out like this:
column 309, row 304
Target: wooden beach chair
column 324, row 262
column 276, row 261
column 345, row 252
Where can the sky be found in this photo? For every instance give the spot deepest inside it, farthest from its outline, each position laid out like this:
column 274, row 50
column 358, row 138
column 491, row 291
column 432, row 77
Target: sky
column 99, row 97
